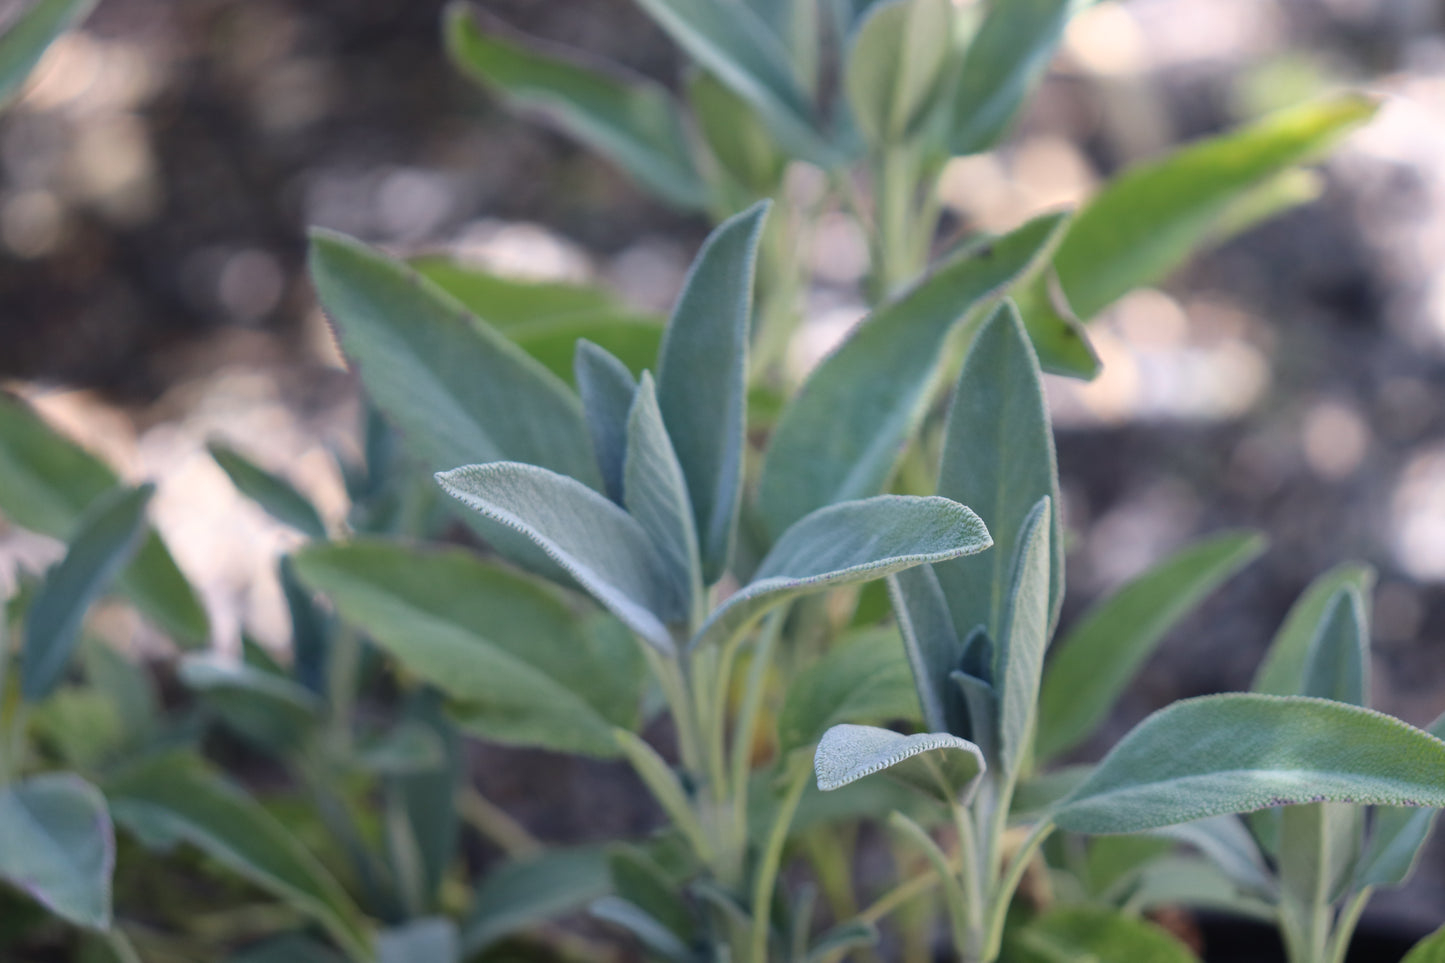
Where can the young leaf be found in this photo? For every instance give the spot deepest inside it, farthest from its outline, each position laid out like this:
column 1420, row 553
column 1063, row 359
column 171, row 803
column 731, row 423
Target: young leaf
column 839, row 438
column 631, row 121
column 432, row 938
column 702, row 379
column 272, row 492
column 509, row 303
column 607, row 390
column 864, row 678
column 460, row 392
column 1396, row 836
column 735, row 135
column 178, row 792
column 1318, row 846
column 1023, row 636
column 895, row 64
column 649, row 931
column 428, row 798
column 1005, row 61
column 998, row 458
column 732, row 43
column 1080, row 933
column 935, row 763
column 1283, row 669
column 665, row 787
column 1338, row 663
column 270, row 710
column 30, row 34
column 1228, row 844
column 595, row 541
column 531, row 891
column 1429, row 950
column 57, row 844
column 106, row 538
column 1113, row 640
column 845, row 543
column 1149, row 219
column 655, row 493
column 46, row 484
column 1239, row 752
column 512, row 656
column 932, row 645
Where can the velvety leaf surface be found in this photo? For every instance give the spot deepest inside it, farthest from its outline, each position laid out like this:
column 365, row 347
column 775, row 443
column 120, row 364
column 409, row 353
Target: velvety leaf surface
column 57, row 844
column 895, row 63
column 1283, row 669
column 1396, row 835
column 272, row 492
column 46, row 484
column 842, row 434
column 633, row 122
column 607, row 390
column 1338, row 663
column 431, row 939
column 595, row 541
column 936, row 763
column 932, row 646
column 28, row 35
column 107, row 536
column 1019, row 657
column 655, row 493
column 864, row 678
column 850, row 542
column 702, row 379
column 512, row 656
column 1240, row 752
column 1004, row 63
column 1090, row 669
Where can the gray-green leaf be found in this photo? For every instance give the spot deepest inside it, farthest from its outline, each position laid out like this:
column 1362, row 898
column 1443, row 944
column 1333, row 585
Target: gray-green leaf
column 850, row 542
column 1094, row 663
column 1239, row 752
column 607, row 389
column 936, row 763
column 931, row 643
column 1396, row 836
column 842, row 434
column 432, row 939
column 57, row 844
column 654, row 492
column 633, row 122
column 1338, row 663
column 1283, row 669
column 895, row 65
column 1023, row 637
column 533, row 890
column 1004, row 62
column 272, row 492
column 268, row 709
column 594, row 540
column 864, row 678
column 106, row 539
column 702, row 379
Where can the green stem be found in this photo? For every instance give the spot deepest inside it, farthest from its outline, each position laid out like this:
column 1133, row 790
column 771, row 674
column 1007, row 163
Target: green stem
column 1345, row 927
column 767, row 871
column 495, row 824
column 341, row 688
column 746, row 725
column 895, row 245
column 669, row 674
column 954, row 899
column 1003, row 895
column 968, row 869
column 121, row 946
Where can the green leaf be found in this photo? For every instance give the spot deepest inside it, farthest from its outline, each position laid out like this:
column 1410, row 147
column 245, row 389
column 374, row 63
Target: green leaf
column 734, row 133
column 895, row 65
column 935, row 763
column 508, row 303
column 406, row 749
column 46, row 484
column 1150, row 218
column 1019, row 656
column 840, row 437
column 847, row 543
column 607, row 390
column 702, row 379
column 1396, row 836
column 270, row 710
column 106, row 539
column 272, row 492
column 864, row 678
column 512, row 656
column 733, row 44
column 533, row 890
column 432, row 939
column 1429, row 950
column 428, row 798
column 1095, row 662
column 631, row 121
column 845, row 936
column 460, row 392
column 649, row 931
column 665, row 787
column 998, row 458
column 180, row 793
column 633, row 338
column 1239, row 752
column 1283, row 669
column 1318, row 846
column 30, row 34
column 655, row 494
column 57, row 844
column 127, row 686
column 311, row 629
column 287, row 949
column 1338, row 663
column 1228, row 844
column 932, row 646
column 594, row 540
column 1086, row 933
column 1195, row 882
column 1004, row 63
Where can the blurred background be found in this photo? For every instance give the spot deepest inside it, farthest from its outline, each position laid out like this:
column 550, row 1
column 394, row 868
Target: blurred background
column 157, row 178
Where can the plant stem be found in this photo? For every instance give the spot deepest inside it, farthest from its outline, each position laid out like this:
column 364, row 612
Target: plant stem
column 495, row 823
column 121, row 946
column 341, row 688
column 1003, row 894
column 768, row 865
column 912, row 887
column 954, row 899
column 1345, row 926
column 895, row 244
column 746, row 725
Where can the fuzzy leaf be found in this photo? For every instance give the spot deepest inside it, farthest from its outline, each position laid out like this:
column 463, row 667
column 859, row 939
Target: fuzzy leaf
column 655, row 493
column 864, row 678
column 46, row 484
column 28, row 35
column 272, row 492
column 633, row 122
column 936, row 763
column 932, row 645
column 1338, row 663
column 432, row 939
column 107, row 536
column 1240, row 752
column 1004, row 63
column 842, row 434
column 516, row 663
column 1283, row 669
column 57, row 844
column 735, row 134
column 607, row 390
column 1024, row 635
column 595, row 541
column 665, row 787
column 1080, row 934
column 846, row 543
column 1396, row 836
column 1228, row 844
column 998, row 458
column 533, row 890
column 895, row 64
column 702, row 380
column 1095, row 662
column 269, row 709
column 460, row 392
